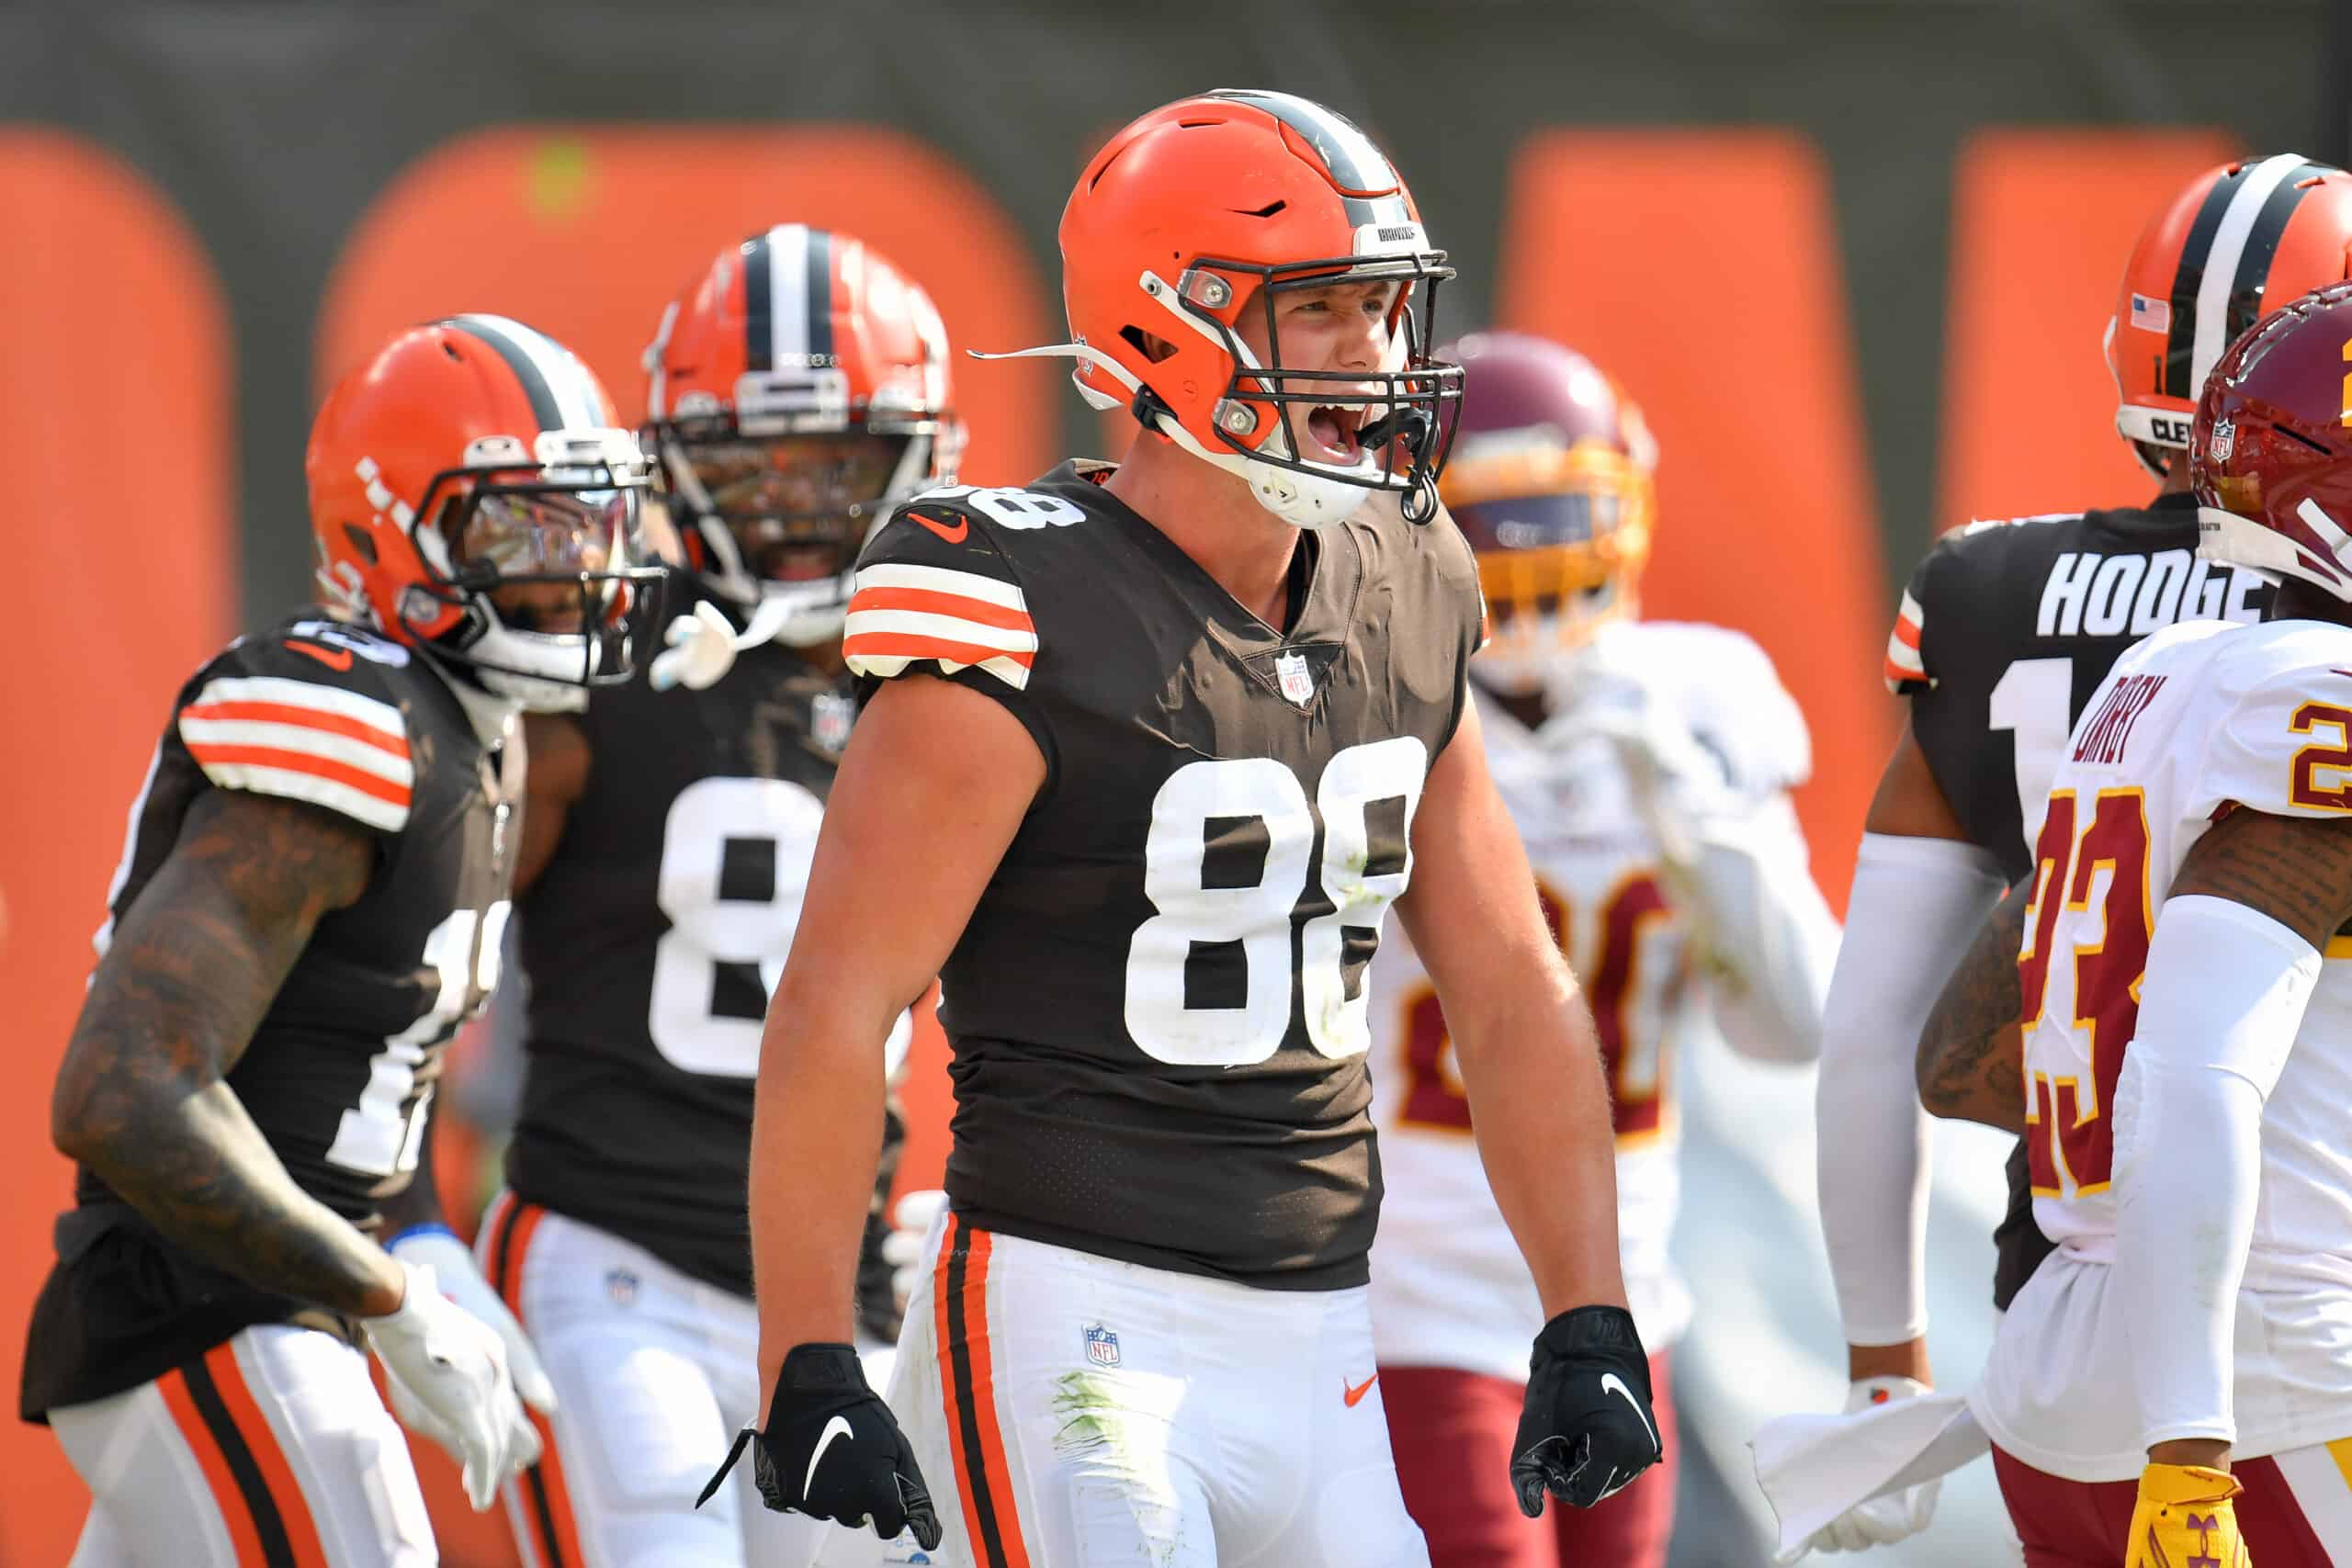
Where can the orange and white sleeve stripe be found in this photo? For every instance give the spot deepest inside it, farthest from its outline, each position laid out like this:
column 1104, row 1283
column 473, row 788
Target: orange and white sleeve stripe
column 329, row 746
column 901, row 613
column 1904, row 666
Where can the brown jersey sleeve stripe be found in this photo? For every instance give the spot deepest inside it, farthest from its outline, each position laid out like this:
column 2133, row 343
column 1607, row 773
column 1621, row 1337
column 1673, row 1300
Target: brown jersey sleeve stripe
column 554, row 1536
column 983, row 1479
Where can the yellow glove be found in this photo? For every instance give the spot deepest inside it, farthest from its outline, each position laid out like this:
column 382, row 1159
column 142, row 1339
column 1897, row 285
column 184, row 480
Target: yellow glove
column 2185, row 1518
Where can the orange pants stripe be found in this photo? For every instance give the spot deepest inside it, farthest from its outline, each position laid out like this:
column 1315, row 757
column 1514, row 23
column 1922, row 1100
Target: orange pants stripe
column 984, row 1480
column 269, row 1521
column 552, row 1537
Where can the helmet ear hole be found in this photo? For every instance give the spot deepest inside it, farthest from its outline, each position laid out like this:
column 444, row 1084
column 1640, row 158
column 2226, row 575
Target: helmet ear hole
column 2157, row 460
column 361, row 545
column 1154, row 349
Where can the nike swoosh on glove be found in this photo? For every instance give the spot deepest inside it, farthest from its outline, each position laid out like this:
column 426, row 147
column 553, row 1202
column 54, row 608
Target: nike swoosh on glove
column 1882, row 1519
column 2186, row 1514
column 1586, row 1429
column 449, row 1381
column 832, row 1449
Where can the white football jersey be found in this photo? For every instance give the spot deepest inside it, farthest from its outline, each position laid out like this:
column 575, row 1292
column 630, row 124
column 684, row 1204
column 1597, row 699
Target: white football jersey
column 1449, row 1287
column 2200, row 717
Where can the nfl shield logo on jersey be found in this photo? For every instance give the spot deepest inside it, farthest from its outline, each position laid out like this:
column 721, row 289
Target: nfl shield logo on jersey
column 1102, row 1346
column 829, row 717
column 1297, row 680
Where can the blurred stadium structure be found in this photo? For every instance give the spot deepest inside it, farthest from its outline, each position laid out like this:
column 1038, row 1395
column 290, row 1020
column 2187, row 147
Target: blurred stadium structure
column 1854, row 256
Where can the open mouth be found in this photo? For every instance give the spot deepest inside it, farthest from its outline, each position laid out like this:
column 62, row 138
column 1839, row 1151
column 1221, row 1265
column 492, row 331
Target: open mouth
column 1334, row 433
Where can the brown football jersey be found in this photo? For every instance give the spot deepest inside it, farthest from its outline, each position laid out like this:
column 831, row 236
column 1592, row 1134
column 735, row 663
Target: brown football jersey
column 1157, row 1008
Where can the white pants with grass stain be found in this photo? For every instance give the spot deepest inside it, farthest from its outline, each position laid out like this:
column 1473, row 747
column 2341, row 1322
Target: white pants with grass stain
column 1069, row 1410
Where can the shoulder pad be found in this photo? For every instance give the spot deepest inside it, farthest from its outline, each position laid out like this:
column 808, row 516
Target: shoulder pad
column 2282, row 725
column 932, row 588
column 306, row 717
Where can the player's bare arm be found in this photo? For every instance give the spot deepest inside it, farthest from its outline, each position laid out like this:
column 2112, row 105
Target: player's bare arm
column 1909, row 803
column 934, row 786
column 1969, row 1054
column 556, row 778
column 142, row 1097
column 1519, row 1026
column 2297, row 869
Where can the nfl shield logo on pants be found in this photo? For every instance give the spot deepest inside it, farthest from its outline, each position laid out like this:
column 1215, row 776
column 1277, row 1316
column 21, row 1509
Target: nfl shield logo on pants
column 1297, row 680
column 1102, row 1346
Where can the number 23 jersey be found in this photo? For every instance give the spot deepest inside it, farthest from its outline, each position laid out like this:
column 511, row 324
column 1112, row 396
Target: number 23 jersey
column 1157, row 1007
column 2198, row 720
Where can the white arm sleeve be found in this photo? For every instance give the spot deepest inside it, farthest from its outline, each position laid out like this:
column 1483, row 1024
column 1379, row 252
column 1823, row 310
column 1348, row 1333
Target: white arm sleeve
column 1914, row 908
column 2225, row 994
column 1771, row 929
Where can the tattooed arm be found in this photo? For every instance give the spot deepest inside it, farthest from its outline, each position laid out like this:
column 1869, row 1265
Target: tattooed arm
column 1969, row 1062
column 2297, row 869
column 142, row 1099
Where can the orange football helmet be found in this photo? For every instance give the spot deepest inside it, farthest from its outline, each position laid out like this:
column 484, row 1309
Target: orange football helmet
column 473, row 495
column 798, row 392
column 1200, row 210
column 1552, row 482
column 2238, row 240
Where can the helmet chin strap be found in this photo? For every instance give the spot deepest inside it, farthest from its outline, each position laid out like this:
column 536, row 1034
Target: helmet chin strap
column 703, row 646
column 1303, row 501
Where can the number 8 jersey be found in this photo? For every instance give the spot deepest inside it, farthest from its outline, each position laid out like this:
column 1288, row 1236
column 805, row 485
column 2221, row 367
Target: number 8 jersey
column 650, row 940
column 339, row 1073
column 1157, row 1008
column 2199, row 720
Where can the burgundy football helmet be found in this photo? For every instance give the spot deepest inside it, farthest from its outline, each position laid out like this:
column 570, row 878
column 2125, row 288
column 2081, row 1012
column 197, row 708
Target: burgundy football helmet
column 2271, row 451
column 1551, row 482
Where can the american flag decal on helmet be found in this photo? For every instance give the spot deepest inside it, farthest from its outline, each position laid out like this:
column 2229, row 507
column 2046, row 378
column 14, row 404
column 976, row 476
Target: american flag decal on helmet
column 901, row 613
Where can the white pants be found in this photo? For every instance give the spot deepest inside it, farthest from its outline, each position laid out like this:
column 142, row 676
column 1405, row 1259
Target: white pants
column 654, row 1374
column 272, row 1448
column 1068, row 1410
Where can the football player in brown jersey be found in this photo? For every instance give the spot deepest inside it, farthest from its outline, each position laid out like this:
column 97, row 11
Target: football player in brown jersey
column 1149, row 750
column 2003, row 634
column 800, row 392
column 310, row 901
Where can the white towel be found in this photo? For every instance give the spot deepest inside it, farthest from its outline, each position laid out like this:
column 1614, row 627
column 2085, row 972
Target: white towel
column 1815, row 1467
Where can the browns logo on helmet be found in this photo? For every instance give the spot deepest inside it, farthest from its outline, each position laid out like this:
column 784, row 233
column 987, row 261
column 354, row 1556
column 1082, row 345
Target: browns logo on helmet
column 1204, row 209
column 1551, row 480
column 2271, row 453
column 473, row 494
column 2238, row 239
column 798, row 391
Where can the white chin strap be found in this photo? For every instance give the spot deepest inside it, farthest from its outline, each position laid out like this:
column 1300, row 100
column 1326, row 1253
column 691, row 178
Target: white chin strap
column 539, row 671
column 1303, row 501
column 703, row 646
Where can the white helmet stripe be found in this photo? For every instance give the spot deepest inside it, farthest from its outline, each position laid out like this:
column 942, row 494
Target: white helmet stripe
column 787, row 250
column 576, row 405
column 2221, row 262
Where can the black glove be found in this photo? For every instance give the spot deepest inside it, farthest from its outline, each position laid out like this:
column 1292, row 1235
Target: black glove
column 832, row 1449
column 1586, row 1429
